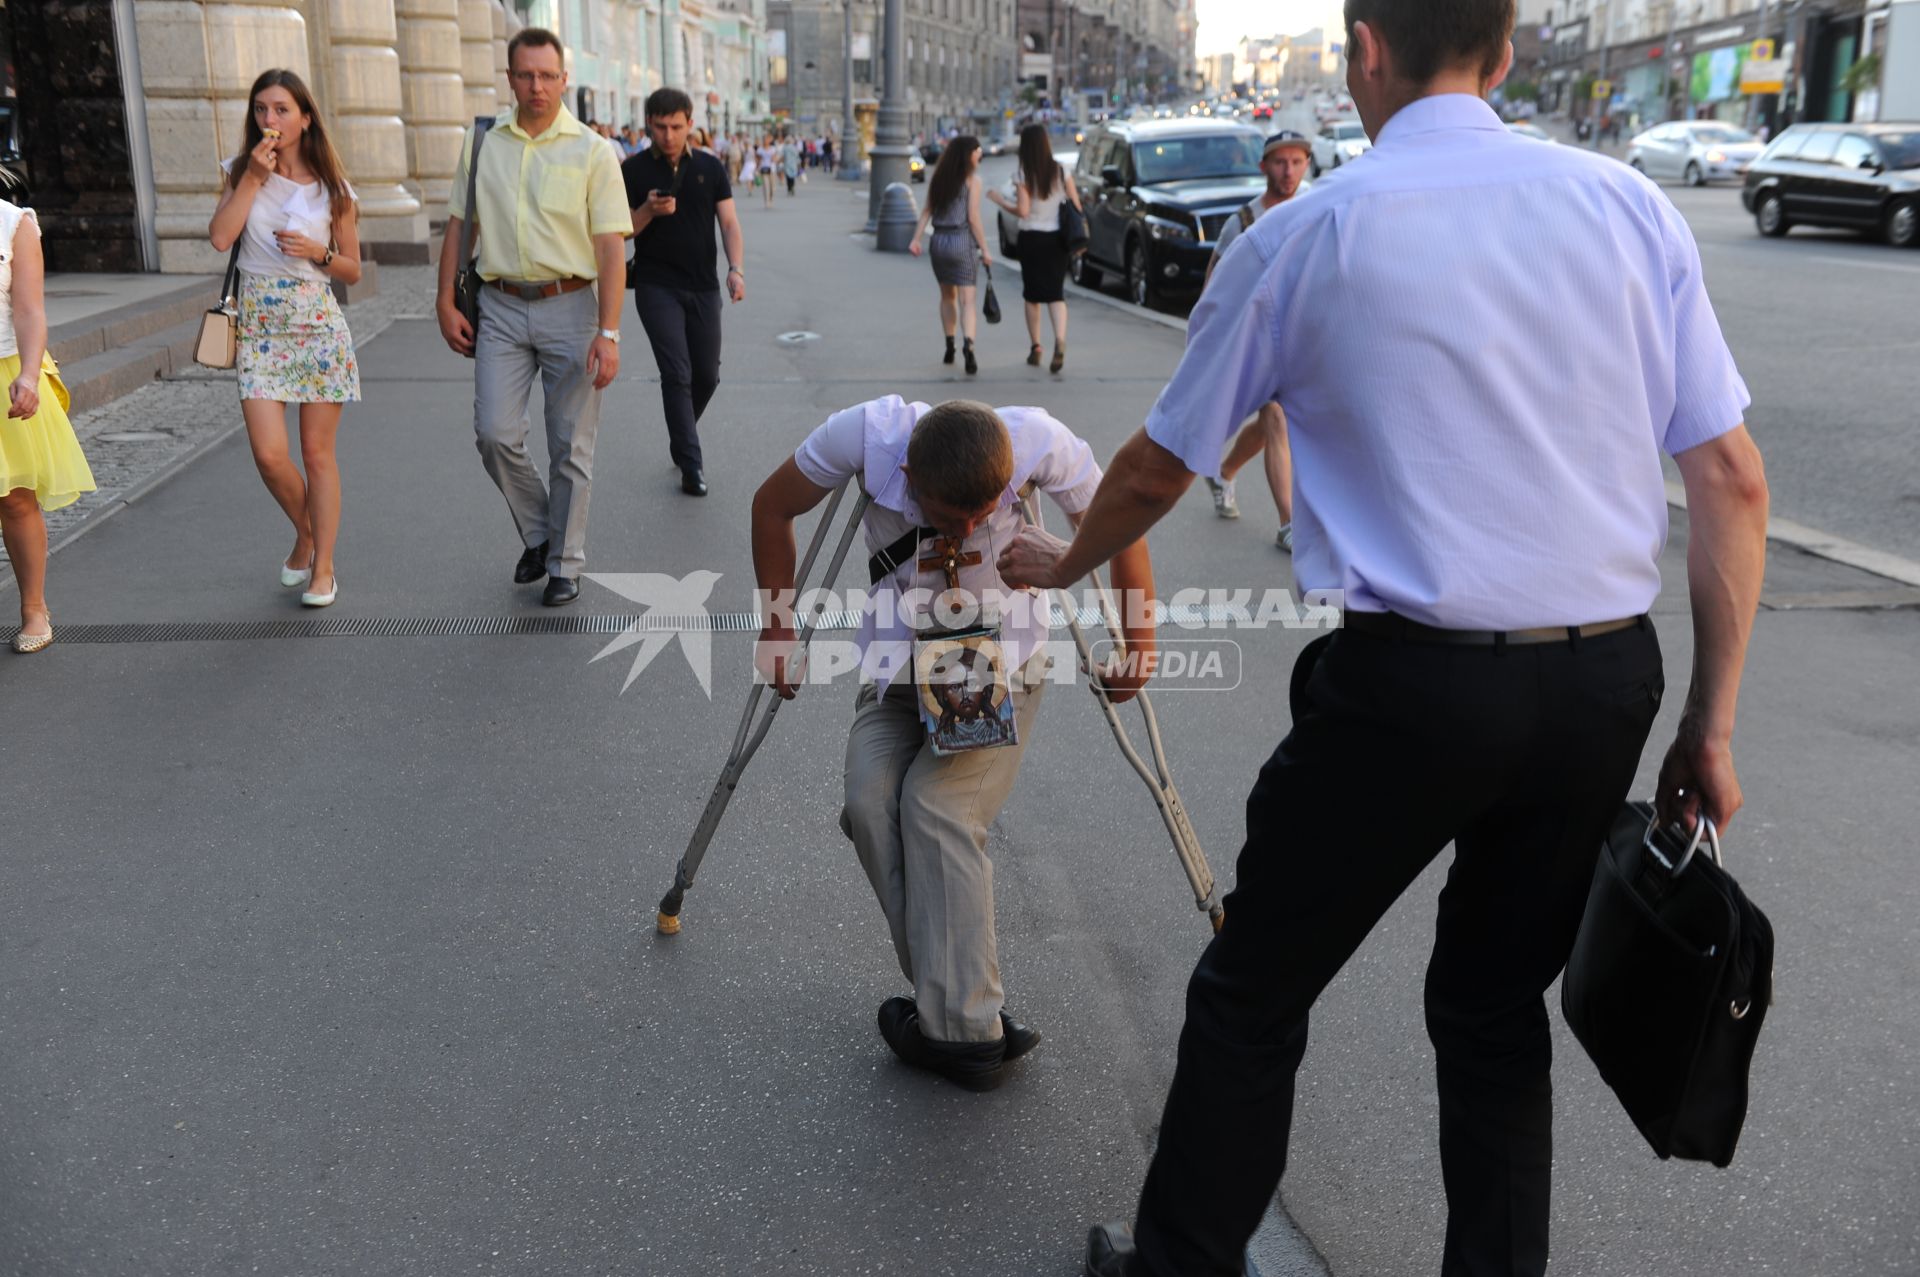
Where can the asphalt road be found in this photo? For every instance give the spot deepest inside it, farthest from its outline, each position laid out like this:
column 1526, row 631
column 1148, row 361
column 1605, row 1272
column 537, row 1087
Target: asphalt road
column 335, row 955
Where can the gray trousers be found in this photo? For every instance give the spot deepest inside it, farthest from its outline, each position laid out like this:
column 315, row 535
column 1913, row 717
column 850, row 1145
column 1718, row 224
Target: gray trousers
column 919, row 825
column 516, row 339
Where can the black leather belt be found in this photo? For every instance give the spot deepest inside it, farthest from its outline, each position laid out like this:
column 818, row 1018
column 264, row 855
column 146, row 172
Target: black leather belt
column 1393, row 625
column 534, row 292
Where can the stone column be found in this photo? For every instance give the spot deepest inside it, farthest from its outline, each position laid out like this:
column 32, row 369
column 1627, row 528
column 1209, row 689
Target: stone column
column 476, row 56
column 432, row 97
column 197, row 61
column 505, row 27
column 368, row 132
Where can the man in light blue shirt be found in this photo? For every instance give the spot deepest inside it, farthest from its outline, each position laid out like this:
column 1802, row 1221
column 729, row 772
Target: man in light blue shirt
column 1484, row 346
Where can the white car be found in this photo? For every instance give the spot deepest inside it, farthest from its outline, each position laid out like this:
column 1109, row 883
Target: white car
column 1338, row 142
column 1695, row 151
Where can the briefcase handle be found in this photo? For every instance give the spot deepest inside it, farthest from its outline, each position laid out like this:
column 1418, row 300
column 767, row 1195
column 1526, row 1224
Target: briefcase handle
column 1703, row 826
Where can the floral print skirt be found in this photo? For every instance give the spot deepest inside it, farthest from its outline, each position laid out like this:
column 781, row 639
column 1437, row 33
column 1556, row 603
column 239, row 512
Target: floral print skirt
column 294, row 343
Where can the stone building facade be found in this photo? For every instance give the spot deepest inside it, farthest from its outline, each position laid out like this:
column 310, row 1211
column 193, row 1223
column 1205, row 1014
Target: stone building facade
column 1119, row 51
column 122, row 112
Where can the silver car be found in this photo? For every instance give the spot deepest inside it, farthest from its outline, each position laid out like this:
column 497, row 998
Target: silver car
column 1695, row 151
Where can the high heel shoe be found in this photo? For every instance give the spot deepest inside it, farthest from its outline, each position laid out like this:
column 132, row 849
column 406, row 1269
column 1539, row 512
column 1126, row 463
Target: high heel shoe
column 314, row 599
column 1059, row 356
column 973, row 365
column 1033, row 355
column 293, row 578
column 948, row 357
column 26, row 644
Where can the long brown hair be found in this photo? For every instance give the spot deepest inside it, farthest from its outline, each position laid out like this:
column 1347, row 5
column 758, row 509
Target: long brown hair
column 316, row 148
column 1038, row 169
column 951, row 173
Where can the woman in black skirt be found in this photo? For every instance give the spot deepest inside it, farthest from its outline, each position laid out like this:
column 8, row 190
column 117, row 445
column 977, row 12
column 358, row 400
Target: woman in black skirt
column 1040, row 186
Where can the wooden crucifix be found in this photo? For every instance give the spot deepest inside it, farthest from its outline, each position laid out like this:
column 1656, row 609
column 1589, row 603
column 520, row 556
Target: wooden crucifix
column 945, row 556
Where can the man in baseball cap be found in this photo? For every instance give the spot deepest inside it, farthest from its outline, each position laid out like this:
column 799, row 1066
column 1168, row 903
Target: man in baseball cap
column 1284, row 160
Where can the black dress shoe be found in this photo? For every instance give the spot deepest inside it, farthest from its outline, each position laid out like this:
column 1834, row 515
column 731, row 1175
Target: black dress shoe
column 532, row 565
column 1020, row 1038
column 1110, row 1251
column 978, row 1066
column 561, row 590
column 693, row 483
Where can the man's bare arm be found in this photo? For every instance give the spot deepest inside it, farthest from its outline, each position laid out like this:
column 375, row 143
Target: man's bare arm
column 785, row 496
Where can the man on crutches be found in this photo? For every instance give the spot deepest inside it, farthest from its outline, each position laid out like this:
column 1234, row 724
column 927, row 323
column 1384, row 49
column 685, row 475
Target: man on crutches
column 953, row 664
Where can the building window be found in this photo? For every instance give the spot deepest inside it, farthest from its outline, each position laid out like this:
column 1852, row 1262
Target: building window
column 777, row 56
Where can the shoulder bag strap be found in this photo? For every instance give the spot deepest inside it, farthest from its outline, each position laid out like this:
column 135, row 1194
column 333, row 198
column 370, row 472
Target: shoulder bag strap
column 230, row 283
column 888, row 560
column 481, row 124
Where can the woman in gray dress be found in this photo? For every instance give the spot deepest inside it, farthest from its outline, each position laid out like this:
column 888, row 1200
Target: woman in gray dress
column 953, row 208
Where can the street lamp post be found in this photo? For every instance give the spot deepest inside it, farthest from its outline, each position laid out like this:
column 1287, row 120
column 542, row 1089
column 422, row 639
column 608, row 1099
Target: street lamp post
column 890, row 148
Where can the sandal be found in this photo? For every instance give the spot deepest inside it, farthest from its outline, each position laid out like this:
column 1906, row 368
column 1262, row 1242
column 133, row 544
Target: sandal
column 26, row 644
column 1059, row 356
column 1033, row 356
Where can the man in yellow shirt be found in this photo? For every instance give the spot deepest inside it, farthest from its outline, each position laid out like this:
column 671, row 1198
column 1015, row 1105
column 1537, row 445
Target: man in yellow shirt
column 550, row 213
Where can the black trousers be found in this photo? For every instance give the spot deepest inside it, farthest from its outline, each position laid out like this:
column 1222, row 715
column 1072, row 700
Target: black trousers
column 1519, row 756
column 683, row 326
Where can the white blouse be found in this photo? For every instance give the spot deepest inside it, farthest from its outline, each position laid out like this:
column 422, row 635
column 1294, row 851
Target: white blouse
column 1043, row 215
column 11, row 215
column 282, row 204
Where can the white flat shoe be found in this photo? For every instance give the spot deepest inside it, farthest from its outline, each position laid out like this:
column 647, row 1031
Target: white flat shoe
column 311, row 599
column 293, row 578
column 27, row 644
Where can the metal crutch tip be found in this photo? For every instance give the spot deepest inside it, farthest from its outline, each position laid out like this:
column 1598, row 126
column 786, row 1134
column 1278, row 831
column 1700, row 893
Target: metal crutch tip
column 667, row 924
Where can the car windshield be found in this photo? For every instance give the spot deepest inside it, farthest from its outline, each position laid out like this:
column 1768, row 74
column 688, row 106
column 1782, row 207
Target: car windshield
column 1347, row 132
column 1179, row 159
column 1902, row 150
column 1723, row 137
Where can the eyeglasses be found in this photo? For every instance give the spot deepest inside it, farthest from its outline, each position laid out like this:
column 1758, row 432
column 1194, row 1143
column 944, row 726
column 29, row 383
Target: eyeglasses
column 545, row 79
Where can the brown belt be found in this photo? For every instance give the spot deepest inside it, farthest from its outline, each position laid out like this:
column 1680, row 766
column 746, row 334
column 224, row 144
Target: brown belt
column 1393, row 625
column 534, row 292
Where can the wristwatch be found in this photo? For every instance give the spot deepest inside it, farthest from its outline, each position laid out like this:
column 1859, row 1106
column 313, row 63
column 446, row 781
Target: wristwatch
column 327, row 260
column 735, row 270
column 611, row 334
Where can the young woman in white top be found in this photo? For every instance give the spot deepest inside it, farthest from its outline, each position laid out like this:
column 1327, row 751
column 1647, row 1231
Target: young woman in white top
column 1040, row 186
column 287, row 203
column 41, row 465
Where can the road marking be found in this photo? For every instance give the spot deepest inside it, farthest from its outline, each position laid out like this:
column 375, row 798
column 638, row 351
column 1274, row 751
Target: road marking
column 1825, row 545
column 1869, row 265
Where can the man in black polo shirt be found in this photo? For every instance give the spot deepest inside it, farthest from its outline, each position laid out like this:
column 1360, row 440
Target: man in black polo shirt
column 677, row 193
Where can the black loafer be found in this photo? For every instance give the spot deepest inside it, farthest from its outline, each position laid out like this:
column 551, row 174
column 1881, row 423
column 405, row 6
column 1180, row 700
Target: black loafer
column 977, row 1066
column 532, row 565
column 693, row 483
column 1020, row 1038
column 1110, row 1251
column 561, row 590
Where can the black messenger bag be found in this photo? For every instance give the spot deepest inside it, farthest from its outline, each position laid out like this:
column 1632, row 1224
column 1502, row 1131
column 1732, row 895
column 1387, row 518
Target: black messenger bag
column 1670, row 977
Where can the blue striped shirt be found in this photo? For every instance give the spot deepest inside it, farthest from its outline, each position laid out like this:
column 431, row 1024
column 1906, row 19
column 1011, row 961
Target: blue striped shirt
column 1483, row 343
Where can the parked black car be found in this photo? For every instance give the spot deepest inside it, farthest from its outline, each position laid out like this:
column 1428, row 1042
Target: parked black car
column 1157, row 193
column 1865, row 176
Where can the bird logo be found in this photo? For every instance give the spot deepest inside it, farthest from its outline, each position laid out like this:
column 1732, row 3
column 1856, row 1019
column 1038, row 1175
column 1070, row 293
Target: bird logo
column 676, row 607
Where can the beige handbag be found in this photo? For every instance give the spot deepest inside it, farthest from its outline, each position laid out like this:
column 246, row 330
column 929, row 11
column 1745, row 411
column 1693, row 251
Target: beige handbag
column 218, row 345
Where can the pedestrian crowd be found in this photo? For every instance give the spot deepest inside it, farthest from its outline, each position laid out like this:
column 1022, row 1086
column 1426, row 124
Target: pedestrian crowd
column 1497, row 673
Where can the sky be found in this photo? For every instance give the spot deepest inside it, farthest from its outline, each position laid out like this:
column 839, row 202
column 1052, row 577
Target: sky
column 1223, row 22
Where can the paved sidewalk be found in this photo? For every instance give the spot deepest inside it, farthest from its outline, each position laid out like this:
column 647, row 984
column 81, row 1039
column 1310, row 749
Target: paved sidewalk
column 332, row 952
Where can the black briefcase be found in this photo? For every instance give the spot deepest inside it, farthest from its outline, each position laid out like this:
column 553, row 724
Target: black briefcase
column 1670, row 977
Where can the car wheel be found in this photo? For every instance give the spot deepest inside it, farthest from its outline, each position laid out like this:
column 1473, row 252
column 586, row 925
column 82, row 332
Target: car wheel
column 1313, row 166
column 1903, row 224
column 1694, row 176
column 1140, row 290
column 1083, row 272
column 1771, row 217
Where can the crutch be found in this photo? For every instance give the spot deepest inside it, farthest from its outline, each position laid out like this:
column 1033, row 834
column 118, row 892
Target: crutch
column 1159, row 777
column 747, row 737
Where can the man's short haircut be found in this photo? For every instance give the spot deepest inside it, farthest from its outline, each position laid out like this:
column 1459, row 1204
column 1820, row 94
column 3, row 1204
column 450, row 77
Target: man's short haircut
column 535, row 38
column 961, row 454
column 1431, row 36
column 664, row 102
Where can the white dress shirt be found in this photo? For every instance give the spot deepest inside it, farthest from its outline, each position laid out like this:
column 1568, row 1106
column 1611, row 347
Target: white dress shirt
column 869, row 441
column 1482, row 344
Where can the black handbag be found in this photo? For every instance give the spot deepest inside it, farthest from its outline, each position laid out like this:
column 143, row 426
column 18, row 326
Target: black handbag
column 467, row 282
column 1073, row 225
column 989, row 305
column 1670, row 978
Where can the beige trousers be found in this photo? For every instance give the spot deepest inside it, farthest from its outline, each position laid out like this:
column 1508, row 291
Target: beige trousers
column 919, row 825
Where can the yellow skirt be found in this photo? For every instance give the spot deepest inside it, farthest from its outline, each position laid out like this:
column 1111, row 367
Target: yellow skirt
column 41, row 452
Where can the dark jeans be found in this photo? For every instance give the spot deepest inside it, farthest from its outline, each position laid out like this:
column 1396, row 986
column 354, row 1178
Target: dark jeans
column 684, row 327
column 1519, row 756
